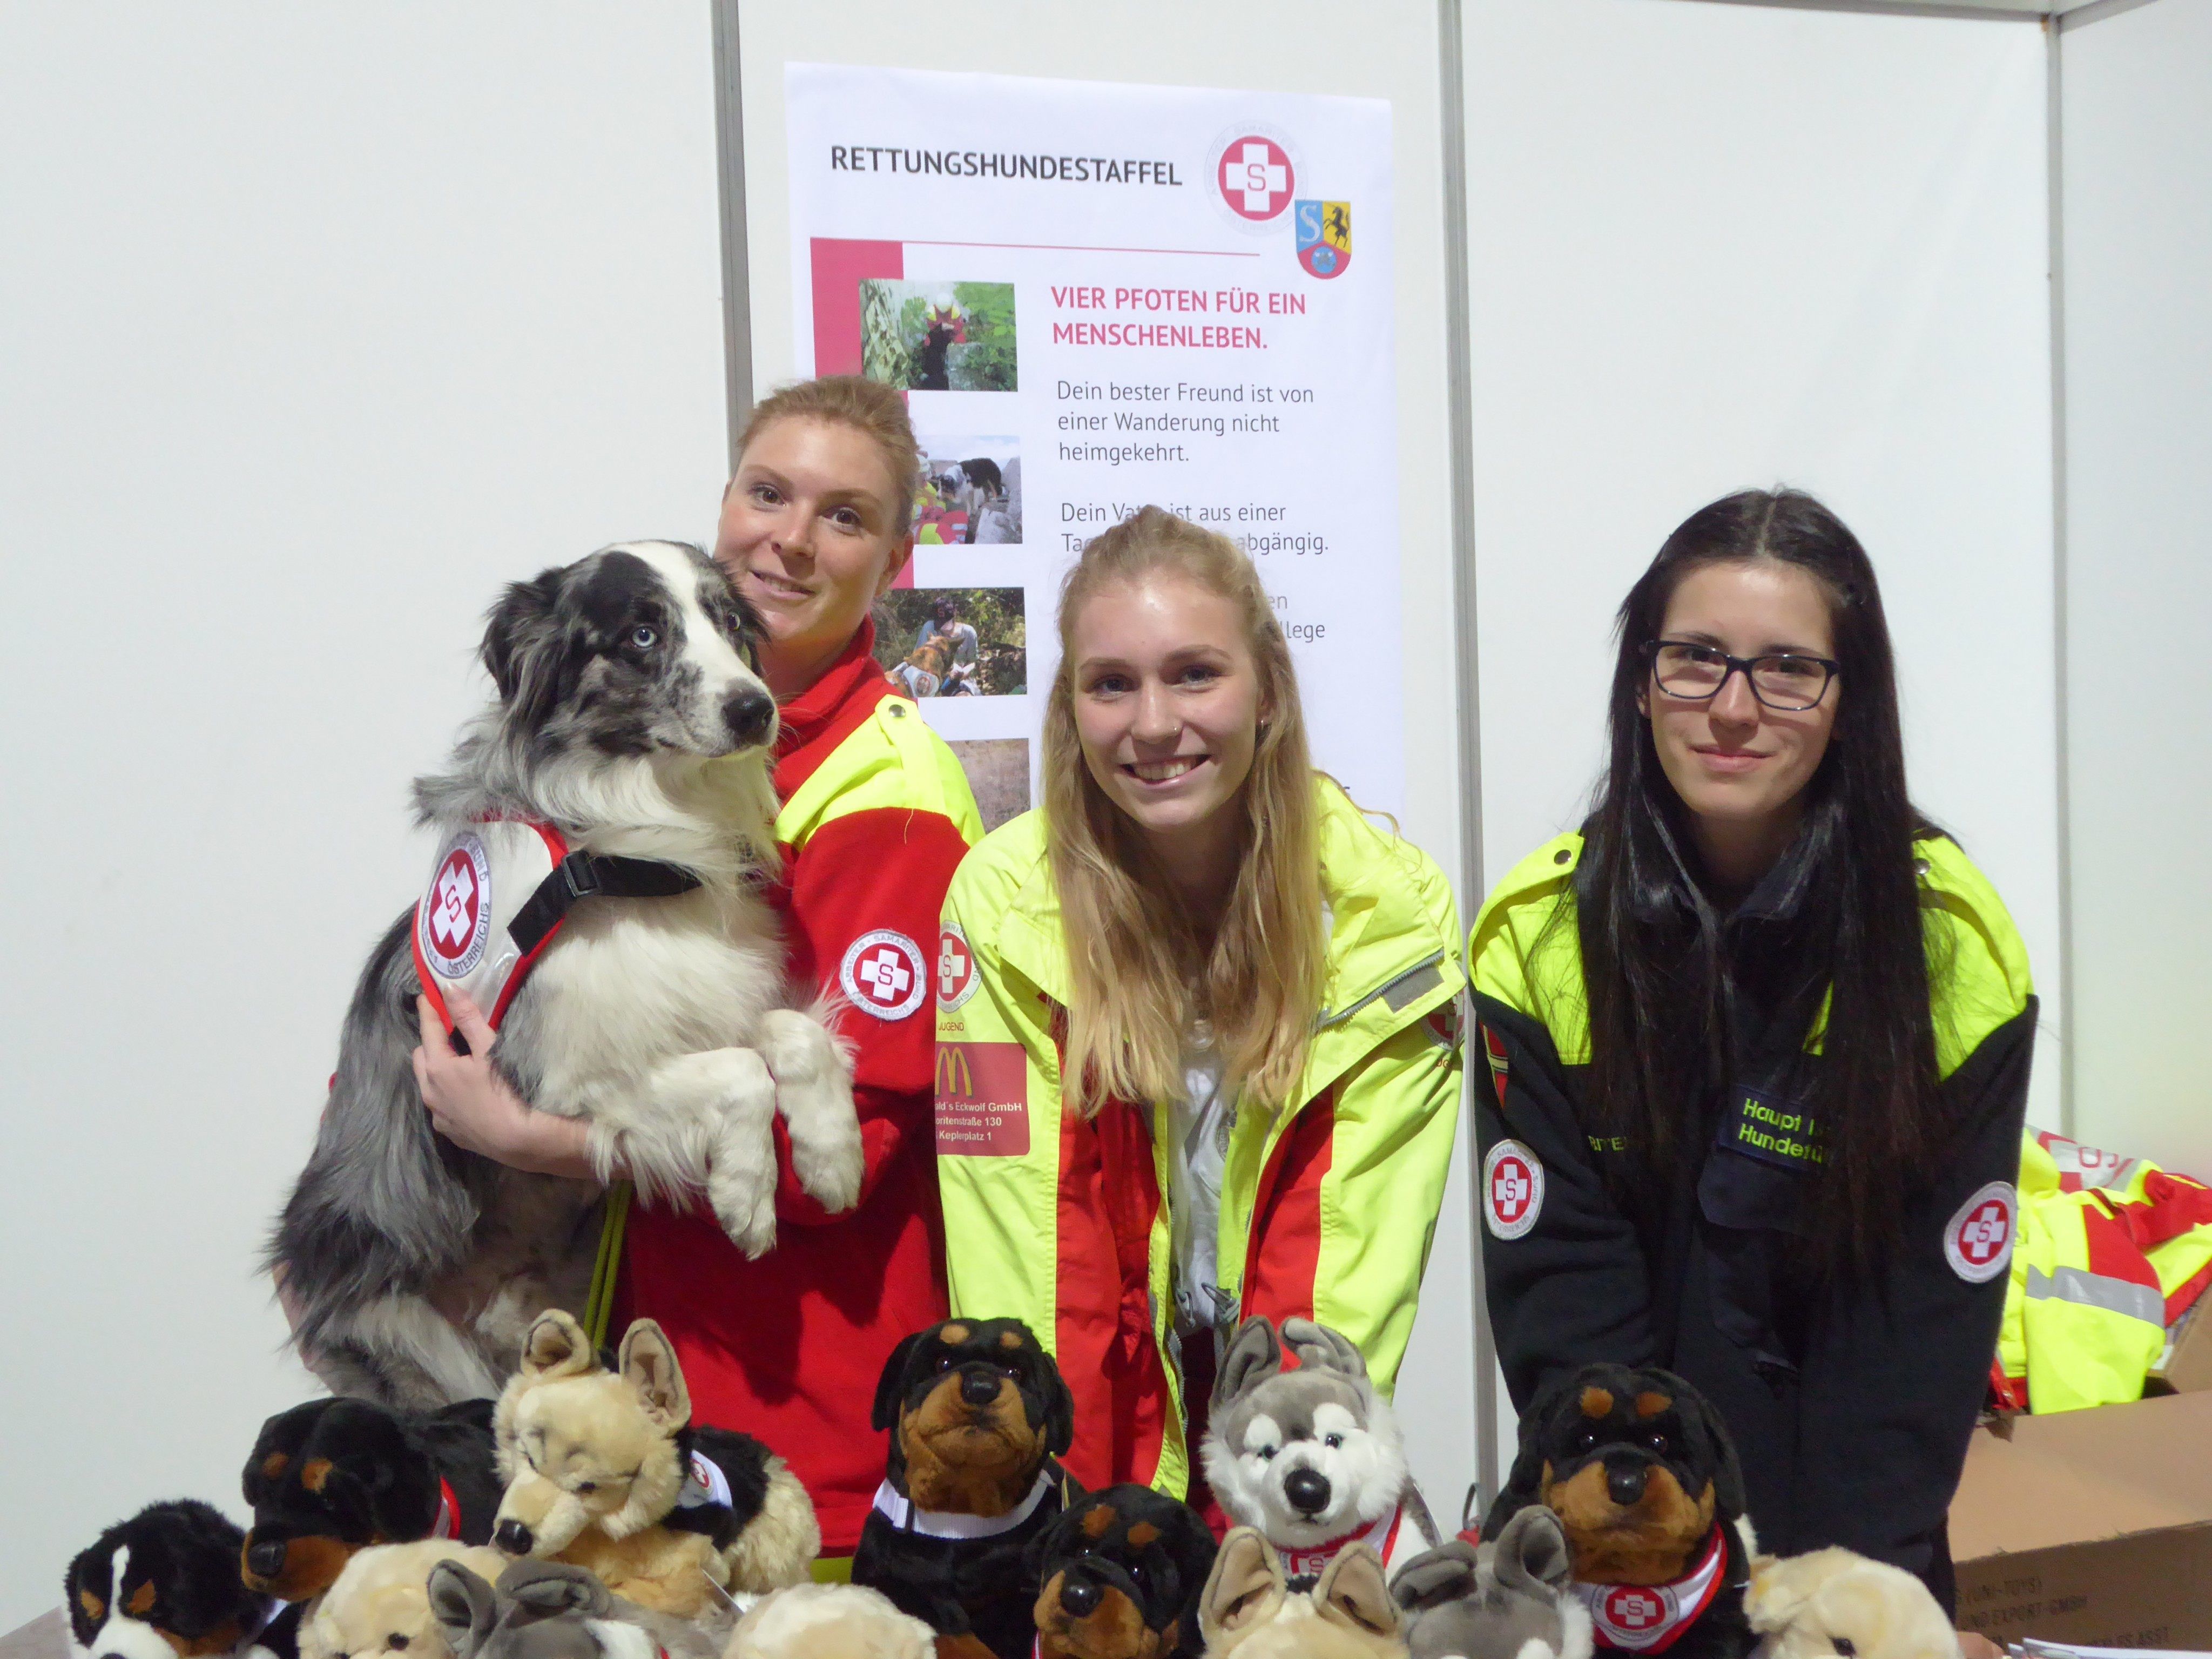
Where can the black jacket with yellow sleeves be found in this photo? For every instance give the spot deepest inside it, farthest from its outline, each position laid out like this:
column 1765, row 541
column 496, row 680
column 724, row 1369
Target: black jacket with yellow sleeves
column 1850, row 1405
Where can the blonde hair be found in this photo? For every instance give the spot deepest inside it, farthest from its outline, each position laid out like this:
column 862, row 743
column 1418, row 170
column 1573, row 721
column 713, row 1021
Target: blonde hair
column 1143, row 979
column 875, row 411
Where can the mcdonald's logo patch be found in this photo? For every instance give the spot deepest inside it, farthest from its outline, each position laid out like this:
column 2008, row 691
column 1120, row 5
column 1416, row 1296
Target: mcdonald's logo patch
column 982, row 1099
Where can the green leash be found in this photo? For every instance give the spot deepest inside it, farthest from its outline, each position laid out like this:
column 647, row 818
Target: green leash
column 607, row 1269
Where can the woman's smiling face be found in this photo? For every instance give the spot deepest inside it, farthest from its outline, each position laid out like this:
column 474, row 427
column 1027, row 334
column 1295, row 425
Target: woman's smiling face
column 1736, row 762
column 809, row 533
column 1168, row 702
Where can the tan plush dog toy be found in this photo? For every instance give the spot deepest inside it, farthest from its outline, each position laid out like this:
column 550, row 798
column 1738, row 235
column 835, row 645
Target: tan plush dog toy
column 379, row 1607
column 829, row 1621
column 1250, row 1610
column 1832, row 1601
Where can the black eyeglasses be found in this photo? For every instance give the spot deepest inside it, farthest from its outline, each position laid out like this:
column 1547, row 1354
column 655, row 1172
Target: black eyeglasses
column 1789, row 681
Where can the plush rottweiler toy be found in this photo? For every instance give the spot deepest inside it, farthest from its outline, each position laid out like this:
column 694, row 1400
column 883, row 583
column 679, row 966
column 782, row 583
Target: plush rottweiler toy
column 977, row 1414
column 1640, row 1471
column 164, row 1585
column 1121, row 1571
column 333, row 1476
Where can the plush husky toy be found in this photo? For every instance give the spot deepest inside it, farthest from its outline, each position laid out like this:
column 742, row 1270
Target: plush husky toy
column 379, row 1607
column 1506, row 1599
column 166, row 1583
column 605, row 1471
column 605, row 828
column 1251, row 1610
column 1832, row 1601
column 551, row 1610
column 1311, row 1457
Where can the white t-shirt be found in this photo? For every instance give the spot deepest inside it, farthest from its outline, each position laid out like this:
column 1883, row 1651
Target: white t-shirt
column 1198, row 1152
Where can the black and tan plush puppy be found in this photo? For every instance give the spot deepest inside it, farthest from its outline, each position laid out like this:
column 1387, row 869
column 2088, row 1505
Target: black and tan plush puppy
column 1641, row 1472
column 977, row 1414
column 164, row 1585
column 334, row 1476
column 1121, row 1572
column 606, row 1471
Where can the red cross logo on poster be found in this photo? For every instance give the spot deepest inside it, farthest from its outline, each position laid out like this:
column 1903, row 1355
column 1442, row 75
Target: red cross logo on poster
column 1256, row 177
column 1512, row 1189
column 956, row 969
column 1978, row 1241
column 884, row 974
column 1632, row 1609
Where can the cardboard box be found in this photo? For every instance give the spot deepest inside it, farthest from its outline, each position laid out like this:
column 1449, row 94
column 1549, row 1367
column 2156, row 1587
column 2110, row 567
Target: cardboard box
column 2186, row 1365
column 2090, row 1526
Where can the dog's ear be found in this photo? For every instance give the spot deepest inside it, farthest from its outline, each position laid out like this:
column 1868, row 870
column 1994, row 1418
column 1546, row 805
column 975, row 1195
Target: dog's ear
column 1435, row 1576
column 1353, row 1591
column 518, row 626
column 1717, row 1450
column 85, row 1587
column 463, row 1605
column 891, row 1386
column 1531, row 1556
column 1524, row 1483
column 1254, row 1356
column 1318, row 1346
column 547, row 1589
column 1245, row 1587
column 647, row 1363
column 556, row 1346
column 1058, row 1409
column 1775, row 1594
column 1039, row 1548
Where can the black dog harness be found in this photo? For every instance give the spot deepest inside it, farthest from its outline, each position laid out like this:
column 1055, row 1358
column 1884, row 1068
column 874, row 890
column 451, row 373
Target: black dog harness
column 499, row 892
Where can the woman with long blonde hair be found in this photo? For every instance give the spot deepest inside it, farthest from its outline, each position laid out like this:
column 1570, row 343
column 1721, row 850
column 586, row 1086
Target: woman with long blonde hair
column 1198, row 1035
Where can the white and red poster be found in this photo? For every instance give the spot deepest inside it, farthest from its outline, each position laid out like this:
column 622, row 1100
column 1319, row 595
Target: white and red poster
column 1097, row 296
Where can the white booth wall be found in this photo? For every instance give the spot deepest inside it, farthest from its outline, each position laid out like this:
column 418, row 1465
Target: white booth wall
column 2136, row 220
column 319, row 324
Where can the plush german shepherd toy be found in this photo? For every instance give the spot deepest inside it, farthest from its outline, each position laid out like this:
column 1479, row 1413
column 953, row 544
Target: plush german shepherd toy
column 1641, row 1472
column 977, row 1414
column 333, row 1476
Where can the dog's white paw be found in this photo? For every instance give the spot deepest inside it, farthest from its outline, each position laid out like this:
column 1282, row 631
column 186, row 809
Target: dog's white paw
column 744, row 1198
column 814, row 1092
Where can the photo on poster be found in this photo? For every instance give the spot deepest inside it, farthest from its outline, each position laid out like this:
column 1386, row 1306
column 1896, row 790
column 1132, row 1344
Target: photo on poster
column 998, row 770
column 971, row 492
column 954, row 641
column 938, row 337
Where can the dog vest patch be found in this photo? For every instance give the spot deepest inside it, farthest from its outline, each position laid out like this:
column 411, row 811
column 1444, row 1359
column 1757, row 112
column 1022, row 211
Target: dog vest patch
column 704, row 1484
column 1650, row 1618
column 1512, row 1189
column 1977, row 1239
column 499, row 891
column 1302, row 1567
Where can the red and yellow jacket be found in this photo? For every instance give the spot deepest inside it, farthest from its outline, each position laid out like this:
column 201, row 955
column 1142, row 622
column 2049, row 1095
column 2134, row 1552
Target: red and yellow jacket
column 877, row 815
column 1328, row 1209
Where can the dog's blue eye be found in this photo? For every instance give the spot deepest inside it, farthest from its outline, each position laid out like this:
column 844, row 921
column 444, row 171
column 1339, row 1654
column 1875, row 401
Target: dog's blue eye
column 644, row 638
column 1332, row 1440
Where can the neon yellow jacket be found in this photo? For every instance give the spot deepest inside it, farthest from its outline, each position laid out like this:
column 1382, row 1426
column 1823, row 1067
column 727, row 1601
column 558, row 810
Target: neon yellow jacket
column 1327, row 1209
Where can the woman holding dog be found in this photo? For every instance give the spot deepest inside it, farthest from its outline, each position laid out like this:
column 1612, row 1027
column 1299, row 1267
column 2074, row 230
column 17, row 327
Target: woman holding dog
column 1760, row 1037
column 816, row 525
column 1198, row 1050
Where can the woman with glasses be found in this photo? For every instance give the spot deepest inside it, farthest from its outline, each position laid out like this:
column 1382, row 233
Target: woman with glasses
column 1760, row 1034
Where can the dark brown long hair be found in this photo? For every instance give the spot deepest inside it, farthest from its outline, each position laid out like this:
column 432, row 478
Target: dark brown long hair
column 1652, row 959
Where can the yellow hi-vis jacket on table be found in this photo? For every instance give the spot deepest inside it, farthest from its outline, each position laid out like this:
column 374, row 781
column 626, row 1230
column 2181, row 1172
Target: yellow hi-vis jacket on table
column 2112, row 1252
column 1327, row 1207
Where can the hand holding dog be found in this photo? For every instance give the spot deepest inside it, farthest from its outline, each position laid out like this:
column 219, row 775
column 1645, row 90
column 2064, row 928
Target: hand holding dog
column 472, row 1105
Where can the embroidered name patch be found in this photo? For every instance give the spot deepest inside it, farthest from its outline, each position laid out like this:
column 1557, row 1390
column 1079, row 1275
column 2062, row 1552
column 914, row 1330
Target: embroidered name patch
column 884, row 975
column 957, row 979
column 1774, row 1130
column 1512, row 1189
column 982, row 1099
column 1978, row 1239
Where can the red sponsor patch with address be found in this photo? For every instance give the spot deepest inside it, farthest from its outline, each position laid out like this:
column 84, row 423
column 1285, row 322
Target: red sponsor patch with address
column 982, row 1099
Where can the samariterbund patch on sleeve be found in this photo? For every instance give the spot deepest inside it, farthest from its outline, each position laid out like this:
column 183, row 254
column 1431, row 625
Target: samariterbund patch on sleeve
column 982, row 1099
column 883, row 973
column 1512, row 1189
column 1977, row 1239
column 956, row 978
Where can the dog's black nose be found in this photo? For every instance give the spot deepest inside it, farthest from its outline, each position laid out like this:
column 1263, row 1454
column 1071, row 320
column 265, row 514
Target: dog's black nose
column 979, row 1388
column 512, row 1538
column 1624, row 1483
column 265, row 1558
column 1307, row 1490
column 748, row 714
column 1080, row 1597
